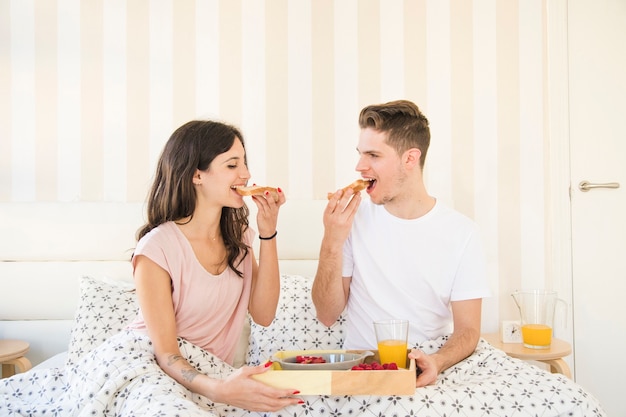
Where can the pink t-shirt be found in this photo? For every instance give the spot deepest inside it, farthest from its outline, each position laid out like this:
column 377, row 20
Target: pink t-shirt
column 210, row 309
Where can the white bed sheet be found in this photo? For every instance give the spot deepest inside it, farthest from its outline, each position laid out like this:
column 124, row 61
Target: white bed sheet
column 56, row 361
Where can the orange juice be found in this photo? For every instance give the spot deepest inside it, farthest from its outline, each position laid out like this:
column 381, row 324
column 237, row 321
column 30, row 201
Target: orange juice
column 393, row 351
column 537, row 335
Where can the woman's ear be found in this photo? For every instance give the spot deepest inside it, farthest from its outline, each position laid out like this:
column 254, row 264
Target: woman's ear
column 197, row 178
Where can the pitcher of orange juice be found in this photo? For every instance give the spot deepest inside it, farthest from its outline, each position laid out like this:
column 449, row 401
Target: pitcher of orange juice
column 537, row 309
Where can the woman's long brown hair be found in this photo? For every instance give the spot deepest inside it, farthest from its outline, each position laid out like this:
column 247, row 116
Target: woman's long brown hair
column 172, row 197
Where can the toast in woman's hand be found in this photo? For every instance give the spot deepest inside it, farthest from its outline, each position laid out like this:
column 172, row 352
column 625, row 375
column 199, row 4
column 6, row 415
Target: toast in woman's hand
column 357, row 186
column 257, row 190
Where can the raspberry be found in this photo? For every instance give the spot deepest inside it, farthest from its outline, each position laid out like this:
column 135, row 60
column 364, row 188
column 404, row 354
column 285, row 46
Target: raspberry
column 375, row 366
column 309, row 359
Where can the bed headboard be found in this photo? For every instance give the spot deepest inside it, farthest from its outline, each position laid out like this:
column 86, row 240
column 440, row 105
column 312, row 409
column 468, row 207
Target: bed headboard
column 46, row 247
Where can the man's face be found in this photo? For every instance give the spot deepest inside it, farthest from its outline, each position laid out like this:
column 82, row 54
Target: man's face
column 380, row 162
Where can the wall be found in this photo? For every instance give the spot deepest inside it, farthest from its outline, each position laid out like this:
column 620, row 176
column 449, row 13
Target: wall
column 92, row 89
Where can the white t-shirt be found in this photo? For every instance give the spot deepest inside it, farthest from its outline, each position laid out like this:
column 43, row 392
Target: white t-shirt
column 410, row 269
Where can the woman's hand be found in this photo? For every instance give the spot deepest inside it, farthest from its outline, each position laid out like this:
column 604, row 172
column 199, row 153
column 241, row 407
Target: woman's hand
column 265, row 275
column 267, row 216
column 243, row 391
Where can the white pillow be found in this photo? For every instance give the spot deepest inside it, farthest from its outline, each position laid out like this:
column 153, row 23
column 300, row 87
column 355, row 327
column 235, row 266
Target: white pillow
column 295, row 326
column 105, row 307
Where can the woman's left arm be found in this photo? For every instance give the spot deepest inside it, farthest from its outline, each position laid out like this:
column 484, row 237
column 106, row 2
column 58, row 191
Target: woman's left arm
column 265, row 274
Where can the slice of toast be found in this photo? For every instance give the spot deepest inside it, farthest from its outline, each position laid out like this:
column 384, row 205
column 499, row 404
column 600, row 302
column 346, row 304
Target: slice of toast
column 357, row 186
column 257, row 190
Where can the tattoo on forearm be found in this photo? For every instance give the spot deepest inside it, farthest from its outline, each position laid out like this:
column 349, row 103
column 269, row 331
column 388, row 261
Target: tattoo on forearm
column 189, row 374
column 173, row 358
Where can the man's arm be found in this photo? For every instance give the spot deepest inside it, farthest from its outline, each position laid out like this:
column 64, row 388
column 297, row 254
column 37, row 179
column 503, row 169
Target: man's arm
column 330, row 292
column 460, row 345
column 464, row 338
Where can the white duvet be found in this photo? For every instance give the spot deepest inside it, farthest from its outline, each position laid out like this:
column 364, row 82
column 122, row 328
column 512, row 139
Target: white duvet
column 122, row 378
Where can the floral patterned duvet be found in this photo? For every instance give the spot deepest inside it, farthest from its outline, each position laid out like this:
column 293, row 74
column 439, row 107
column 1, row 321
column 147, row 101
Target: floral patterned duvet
column 114, row 373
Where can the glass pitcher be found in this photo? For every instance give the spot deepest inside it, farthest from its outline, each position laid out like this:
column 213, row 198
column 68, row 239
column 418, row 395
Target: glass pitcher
column 537, row 309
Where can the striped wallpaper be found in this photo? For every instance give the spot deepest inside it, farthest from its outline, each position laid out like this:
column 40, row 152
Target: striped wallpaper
column 92, row 89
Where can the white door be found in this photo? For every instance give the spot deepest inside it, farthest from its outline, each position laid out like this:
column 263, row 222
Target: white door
column 597, row 65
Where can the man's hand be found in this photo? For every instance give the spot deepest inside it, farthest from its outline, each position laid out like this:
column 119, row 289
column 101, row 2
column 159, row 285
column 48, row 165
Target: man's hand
column 339, row 213
column 330, row 291
column 427, row 365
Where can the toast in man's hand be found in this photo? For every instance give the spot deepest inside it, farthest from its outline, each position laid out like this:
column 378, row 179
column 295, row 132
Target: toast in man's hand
column 257, row 190
column 357, row 186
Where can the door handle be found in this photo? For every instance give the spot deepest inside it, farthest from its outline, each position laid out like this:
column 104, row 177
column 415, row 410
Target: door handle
column 586, row 185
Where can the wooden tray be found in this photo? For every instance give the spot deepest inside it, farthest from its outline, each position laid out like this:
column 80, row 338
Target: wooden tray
column 322, row 382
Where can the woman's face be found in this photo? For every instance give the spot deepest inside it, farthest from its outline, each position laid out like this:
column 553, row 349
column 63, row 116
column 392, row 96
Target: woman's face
column 226, row 171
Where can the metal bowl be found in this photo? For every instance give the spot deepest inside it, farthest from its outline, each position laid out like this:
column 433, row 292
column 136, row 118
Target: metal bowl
column 333, row 361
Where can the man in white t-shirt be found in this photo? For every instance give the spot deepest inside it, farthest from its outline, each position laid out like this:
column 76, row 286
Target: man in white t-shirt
column 400, row 253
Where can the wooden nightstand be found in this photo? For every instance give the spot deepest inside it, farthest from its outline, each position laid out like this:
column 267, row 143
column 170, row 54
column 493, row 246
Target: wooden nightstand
column 12, row 357
column 552, row 356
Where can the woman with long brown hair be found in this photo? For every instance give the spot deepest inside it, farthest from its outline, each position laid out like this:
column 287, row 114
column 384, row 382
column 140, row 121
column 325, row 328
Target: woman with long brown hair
column 195, row 271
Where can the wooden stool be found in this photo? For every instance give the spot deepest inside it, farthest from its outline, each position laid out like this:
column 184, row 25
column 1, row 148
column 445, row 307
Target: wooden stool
column 12, row 357
column 552, row 356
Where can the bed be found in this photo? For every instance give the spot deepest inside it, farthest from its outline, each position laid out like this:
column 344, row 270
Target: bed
column 100, row 369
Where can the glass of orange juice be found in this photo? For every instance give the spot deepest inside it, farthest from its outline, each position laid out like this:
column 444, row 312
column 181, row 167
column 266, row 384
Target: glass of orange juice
column 391, row 336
